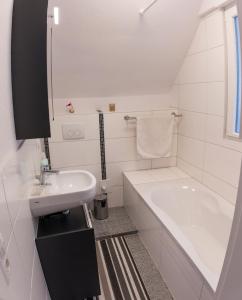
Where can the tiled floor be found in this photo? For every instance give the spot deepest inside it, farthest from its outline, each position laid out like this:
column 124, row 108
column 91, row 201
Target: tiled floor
column 151, row 277
column 119, row 222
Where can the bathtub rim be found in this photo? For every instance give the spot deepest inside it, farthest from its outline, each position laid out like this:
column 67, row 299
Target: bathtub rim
column 211, row 286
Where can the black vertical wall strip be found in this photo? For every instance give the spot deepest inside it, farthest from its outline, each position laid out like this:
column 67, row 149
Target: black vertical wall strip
column 102, row 145
column 29, row 69
column 47, row 151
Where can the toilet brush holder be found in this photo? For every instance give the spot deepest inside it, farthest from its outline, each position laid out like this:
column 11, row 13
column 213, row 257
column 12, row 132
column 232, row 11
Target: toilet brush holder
column 101, row 206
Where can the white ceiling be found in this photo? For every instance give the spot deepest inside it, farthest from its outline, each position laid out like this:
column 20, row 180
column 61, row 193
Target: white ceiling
column 104, row 48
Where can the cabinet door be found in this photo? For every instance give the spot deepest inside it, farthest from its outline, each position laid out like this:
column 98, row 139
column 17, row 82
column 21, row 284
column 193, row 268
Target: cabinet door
column 29, row 69
column 70, row 265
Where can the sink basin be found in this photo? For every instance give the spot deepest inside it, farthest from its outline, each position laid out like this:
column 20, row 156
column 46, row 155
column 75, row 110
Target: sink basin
column 63, row 190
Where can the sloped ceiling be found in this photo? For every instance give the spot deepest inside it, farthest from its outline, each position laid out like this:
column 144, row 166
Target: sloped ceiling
column 105, row 48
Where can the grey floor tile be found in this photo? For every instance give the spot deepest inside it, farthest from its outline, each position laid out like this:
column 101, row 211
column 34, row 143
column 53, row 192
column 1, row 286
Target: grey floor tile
column 151, row 277
column 117, row 222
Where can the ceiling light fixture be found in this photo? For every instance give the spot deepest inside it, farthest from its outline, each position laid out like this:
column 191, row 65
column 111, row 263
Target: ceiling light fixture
column 56, row 15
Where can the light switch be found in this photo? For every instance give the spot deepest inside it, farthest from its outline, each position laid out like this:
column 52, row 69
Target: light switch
column 73, row 131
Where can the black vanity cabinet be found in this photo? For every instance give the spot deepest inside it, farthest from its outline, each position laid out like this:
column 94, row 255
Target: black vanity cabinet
column 29, row 69
column 66, row 247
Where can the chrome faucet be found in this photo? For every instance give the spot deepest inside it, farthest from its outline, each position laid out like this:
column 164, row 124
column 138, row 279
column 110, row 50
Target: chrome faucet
column 43, row 172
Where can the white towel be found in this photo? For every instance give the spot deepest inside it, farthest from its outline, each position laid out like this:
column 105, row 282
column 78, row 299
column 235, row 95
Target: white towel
column 154, row 136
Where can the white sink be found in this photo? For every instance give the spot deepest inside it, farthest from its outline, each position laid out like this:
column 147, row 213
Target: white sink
column 63, row 190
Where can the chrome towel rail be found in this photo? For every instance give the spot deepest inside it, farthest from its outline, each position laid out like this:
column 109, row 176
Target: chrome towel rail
column 128, row 118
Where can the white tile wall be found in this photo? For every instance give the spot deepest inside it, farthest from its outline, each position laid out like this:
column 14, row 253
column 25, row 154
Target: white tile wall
column 193, row 125
column 214, row 30
column 17, row 168
column 38, row 285
column 123, row 104
column 115, row 170
column 199, row 42
column 74, row 153
column 194, row 69
column 193, row 97
column 121, row 154
column 216, row 98
column 203, row 150
column 18, row 287
column 223, row 163
column 17, row 225
column 191, row 150
column 5, row 222
column 215, row 64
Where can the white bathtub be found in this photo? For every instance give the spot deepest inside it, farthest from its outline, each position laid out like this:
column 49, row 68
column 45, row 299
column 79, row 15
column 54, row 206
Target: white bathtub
column 195, row 222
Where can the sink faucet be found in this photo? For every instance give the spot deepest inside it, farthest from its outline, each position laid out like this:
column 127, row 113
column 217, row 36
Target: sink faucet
column 43, row 172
